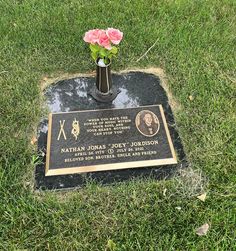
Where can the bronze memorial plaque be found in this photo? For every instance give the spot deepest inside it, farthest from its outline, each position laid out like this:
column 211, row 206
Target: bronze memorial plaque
column 109, row 139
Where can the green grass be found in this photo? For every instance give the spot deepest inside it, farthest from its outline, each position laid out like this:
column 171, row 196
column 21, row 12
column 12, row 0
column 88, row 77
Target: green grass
column 196, row 48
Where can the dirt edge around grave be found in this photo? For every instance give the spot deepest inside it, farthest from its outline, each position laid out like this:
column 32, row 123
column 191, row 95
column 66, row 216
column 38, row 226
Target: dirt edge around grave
column 47, row 81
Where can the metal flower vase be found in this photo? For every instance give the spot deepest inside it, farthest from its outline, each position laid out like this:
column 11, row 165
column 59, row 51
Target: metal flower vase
column 104, row 90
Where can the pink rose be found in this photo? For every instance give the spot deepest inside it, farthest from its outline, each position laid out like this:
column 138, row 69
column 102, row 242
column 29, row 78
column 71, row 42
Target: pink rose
column 114, row 35
column 92, row 36
column 104, row 40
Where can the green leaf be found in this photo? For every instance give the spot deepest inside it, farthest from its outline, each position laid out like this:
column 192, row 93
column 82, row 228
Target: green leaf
column 111, row 56
column 94, row 55
column 103, row 52
column 114, row 50
column 94, row 47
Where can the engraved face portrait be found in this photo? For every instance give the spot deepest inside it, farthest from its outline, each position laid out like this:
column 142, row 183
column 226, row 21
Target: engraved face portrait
column 147, row 123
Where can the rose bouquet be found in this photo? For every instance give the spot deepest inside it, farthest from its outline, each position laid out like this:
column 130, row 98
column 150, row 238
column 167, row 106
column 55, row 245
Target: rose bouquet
column 102, row 44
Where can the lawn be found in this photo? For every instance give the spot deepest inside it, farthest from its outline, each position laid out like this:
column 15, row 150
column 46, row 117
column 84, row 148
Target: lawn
column 196, row 48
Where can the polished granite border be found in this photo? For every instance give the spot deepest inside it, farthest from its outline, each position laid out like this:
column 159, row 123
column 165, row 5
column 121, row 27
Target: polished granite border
column 136, row 89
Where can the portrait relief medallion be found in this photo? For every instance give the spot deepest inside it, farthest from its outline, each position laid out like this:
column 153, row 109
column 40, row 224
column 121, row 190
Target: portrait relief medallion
column 147, row 123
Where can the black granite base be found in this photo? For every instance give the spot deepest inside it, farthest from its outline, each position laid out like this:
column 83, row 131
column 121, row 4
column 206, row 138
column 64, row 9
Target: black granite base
column 136, row 89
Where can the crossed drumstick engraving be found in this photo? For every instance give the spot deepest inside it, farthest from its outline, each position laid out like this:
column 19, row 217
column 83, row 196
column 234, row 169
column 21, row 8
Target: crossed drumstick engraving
column 61, row 130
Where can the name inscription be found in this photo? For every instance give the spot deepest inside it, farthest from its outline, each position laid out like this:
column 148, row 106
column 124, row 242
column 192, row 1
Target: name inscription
column 88, row 141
